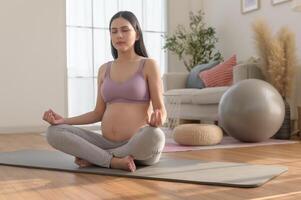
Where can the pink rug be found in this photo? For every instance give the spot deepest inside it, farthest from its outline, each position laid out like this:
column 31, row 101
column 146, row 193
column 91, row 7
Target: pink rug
column 227, row 142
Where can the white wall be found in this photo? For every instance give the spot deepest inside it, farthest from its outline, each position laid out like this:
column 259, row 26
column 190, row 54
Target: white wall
column 178, row 13
column 235, row 33
column 33, row 59
column 234, row 28
column 32, row 63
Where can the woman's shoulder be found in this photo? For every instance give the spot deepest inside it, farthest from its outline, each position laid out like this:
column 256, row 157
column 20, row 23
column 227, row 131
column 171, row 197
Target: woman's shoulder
column 150, row 64
column 102, row 69
column 151, row 67
column 150, row 61
column 104, row 66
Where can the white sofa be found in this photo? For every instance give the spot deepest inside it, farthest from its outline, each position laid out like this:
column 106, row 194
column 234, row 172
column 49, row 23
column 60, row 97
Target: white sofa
column 199, row 104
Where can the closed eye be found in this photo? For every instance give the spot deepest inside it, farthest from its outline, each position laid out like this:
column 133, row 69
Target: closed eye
column 123, row 30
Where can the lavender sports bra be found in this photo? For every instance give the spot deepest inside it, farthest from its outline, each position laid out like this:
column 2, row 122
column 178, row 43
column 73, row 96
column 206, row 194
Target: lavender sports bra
column 133, row 90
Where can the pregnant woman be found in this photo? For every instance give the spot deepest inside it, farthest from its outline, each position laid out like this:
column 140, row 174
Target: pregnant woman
column 129, row 105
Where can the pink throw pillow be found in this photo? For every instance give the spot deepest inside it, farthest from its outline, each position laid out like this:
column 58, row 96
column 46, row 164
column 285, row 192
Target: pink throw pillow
column 220, row 75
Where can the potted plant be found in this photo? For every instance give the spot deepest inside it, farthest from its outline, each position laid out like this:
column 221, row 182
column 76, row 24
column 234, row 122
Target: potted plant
column 195, row 46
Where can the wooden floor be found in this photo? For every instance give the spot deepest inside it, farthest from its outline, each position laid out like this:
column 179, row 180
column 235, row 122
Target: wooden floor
column 22, row 183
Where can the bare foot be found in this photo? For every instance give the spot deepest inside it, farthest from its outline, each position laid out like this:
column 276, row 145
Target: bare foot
column 125, row 163
column 82, row 163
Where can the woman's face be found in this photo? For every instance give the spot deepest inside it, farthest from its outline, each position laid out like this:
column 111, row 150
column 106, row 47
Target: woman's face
column 123, row 34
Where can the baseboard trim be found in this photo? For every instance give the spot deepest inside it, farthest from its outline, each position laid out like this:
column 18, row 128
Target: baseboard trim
column 38, row 129
column 22, row 129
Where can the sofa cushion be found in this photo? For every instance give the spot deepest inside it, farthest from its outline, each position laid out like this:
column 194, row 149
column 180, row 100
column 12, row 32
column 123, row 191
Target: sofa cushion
column 220, row 75
column 180, row 95
column 209, row 95
column 196, row 96
column 193, row 80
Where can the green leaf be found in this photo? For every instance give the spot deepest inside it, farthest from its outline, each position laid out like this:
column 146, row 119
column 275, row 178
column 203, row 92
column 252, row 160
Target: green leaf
column 197, row 44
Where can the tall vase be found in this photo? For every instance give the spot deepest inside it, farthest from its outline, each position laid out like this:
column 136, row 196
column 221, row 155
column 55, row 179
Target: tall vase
column 284, row 132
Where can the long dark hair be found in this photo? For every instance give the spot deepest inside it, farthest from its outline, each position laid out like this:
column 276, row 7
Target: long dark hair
column 139, row 44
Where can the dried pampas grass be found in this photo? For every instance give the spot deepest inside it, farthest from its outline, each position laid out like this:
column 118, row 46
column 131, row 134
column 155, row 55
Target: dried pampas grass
column 276, row 68
column 263, row 41
column 287, row 40
column 278, row 58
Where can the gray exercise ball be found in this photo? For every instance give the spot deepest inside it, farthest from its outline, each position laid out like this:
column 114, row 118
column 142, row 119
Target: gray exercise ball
column 251, row 110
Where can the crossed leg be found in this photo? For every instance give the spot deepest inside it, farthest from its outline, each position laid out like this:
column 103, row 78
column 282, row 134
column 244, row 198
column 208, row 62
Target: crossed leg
column 91, row 148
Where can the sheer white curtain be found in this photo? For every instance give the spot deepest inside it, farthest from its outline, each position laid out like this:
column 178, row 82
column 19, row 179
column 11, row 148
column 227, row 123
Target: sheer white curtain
column 88, row 42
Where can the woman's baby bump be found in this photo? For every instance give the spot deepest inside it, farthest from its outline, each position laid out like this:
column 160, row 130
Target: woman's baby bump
column 122, row 121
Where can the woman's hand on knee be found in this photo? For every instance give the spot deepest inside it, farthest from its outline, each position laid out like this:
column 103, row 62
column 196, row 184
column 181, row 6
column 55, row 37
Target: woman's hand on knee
column 53, row 118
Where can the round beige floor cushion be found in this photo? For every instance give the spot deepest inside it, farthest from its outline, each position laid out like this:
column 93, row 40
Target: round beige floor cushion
column 197, row 134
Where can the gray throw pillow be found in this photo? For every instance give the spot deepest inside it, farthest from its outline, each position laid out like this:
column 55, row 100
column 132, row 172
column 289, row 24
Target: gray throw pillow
column 193, row 80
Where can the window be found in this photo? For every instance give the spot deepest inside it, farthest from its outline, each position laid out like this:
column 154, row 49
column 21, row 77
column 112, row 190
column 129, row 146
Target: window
column 88, row 42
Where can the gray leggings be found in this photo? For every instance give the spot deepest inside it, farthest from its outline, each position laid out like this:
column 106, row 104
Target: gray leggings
column 145, row 146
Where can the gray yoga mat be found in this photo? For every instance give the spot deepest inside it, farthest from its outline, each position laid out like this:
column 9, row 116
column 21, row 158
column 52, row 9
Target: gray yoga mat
column 168, row 169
